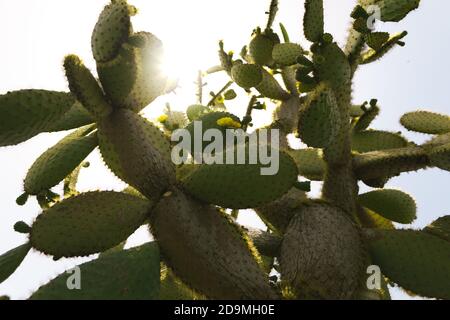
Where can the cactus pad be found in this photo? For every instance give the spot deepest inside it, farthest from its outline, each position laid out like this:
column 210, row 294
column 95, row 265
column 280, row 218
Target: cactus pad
column 375, row 140
column 313, row 22
column 11, row 260
column 426, row 122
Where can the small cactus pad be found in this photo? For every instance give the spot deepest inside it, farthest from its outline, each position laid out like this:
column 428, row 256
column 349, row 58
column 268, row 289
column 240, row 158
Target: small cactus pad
column 392, row 204
column 366, row 119
column 112, row 29
column 246, row 75
column 89, row 223
column 11, row 260
column 310, row 163
column 332, row 65
column 134, row 78
column 85, row 87
column 77, row 116
column 26, row 113
column 374, row 140
column 270, row 88
column 137, row 152
column 322, row 254
column 440, row 157
column 239, row 186
column 207, row 251
column 260, row 49
column 59, row 161
column 426, row 122
column 440, row 228
column 372, row 55
column 286, row 54
column 319, row 119
column 313, row 21
column 124, row 275
column 415, row 260
column 375, row 40
column 392, row 10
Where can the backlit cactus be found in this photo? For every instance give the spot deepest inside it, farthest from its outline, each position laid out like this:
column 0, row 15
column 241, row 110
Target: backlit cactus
column 322, row 247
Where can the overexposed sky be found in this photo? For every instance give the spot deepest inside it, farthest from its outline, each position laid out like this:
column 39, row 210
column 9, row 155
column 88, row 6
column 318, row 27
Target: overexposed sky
column 37, row 34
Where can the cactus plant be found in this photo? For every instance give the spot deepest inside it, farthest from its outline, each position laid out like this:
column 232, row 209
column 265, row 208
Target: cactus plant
column 322, row 246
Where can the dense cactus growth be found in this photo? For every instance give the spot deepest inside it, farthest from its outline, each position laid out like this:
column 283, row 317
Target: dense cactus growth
column 317, row 248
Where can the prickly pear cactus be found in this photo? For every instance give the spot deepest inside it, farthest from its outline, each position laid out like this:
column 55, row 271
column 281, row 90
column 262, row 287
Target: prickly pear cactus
column 318, row 248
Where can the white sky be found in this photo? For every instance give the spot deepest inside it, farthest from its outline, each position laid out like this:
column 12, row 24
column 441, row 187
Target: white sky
column 36, row 35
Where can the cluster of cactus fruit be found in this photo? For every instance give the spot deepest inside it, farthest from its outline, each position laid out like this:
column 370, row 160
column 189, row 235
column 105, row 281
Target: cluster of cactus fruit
column 319, row 248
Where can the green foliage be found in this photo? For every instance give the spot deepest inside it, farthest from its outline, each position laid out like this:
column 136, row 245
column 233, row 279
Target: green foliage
column 124, row 275
column 317, row 244
column 89, row 223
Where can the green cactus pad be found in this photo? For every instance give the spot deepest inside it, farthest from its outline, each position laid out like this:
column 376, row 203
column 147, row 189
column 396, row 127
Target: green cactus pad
column 310, row 163
column 440, row 157
column 313, row 21
column 137, row 152
column 207, row 251
column 195, row 111
column 260, row 49
column 392, row 204
column 374, row 55
column 440, row 228
column 124, row 275
column 270, row 88
column 319, row 119
column 246, row 75
column 426, row 122
column 11, row 260
column 415, row 260
column 366, row 119
column 134, row 78
column 209, row 121
column 332, row 66
column 370, row 219
column 392, row 10
column 374, row 140
column 286, row 54
column 171, row 288
column 390, row 163
column 85, row 87
column 277, row 214
column 77, row 116
column 239, row 186
column 88, row 223
column 26, row 113
column 322, row 254
column 112, row 29
column 59, row 161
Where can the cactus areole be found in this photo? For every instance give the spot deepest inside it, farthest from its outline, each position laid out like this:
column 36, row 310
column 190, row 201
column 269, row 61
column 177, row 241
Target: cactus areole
column 189, row 198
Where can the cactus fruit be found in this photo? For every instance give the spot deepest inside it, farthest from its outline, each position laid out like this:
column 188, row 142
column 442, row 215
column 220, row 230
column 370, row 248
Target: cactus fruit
column 89, row 223
column 59, row 161
column 321, row 248
column 207, row 252
column 415, row 260
column 26, row 113
column 394, row 205
column 137, row 152
column 426, row 122
column 124, row 275
column 11, row 260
